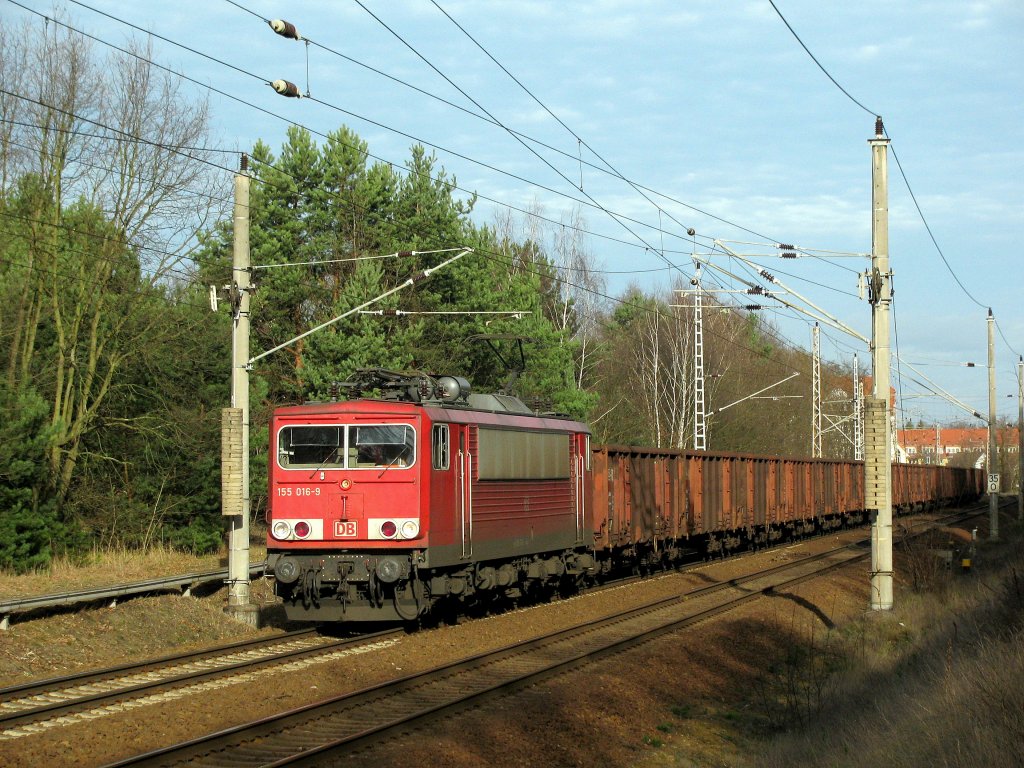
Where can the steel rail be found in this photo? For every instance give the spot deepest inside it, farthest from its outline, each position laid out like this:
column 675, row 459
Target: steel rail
column 48, row 699
column 40, row 700
column 49, row 684
column 32, row 702
column 183, row 583
column 306, row 733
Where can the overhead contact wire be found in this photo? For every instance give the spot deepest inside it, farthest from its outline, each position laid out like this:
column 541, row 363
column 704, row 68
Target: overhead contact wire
column 597, row 205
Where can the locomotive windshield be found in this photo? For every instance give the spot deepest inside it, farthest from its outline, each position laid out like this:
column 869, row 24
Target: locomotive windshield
column 346, row 446
column 311, row 447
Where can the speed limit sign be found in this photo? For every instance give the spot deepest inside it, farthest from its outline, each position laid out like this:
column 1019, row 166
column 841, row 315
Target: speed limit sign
column 993, row 483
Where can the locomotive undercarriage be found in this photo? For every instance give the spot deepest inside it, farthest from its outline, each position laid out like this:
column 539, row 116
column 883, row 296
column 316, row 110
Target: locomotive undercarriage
column 396, row 587
column 357, row 587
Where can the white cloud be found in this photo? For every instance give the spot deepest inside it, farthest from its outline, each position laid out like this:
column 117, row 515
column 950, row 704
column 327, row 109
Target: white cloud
column 868, row 52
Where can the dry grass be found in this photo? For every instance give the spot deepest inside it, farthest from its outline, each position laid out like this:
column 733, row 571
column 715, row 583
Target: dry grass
column 938, row 682
column 109, row 567
column 97, row 636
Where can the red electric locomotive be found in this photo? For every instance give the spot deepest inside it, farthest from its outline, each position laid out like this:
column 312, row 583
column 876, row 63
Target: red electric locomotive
column 382, row 507
column 379, row 508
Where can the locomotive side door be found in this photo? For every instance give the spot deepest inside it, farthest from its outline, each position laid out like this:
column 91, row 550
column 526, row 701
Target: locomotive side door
column 465, row 491
column 578, row 468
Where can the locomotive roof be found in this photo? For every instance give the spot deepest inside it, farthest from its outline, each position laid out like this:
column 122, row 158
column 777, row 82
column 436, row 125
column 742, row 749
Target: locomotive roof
column 475, row 411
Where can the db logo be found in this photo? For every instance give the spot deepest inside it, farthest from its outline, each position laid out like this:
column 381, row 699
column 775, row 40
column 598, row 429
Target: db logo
column 345, row 529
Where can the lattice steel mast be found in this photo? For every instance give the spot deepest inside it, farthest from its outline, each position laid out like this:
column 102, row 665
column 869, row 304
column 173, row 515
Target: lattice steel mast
column 816, row 392
column 700, row 431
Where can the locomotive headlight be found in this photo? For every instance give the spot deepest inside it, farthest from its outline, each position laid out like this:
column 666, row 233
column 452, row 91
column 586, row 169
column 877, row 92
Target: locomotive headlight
column 392, row 528
column 281, row 530
column 301, row 529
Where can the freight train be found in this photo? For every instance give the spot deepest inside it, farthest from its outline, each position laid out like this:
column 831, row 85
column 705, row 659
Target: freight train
column 428, row 495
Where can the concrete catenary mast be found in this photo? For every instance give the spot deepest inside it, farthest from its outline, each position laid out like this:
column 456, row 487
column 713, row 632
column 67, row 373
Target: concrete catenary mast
column 878, row 423
column 992, row 463
column 235, row 440
column 1020, row 438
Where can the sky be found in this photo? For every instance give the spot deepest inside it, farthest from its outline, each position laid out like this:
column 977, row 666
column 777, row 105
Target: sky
column 714, row 112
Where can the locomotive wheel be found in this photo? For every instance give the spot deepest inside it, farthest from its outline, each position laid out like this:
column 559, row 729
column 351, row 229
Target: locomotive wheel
column 569, row 586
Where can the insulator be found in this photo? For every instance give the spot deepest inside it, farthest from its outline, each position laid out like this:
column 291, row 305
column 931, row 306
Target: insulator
column 757, row 290
column 405, row 253
column 285, row 29
column 789, row 255
column 752, row 306
column 286, row 88
column 784, row 247
column 767, row 275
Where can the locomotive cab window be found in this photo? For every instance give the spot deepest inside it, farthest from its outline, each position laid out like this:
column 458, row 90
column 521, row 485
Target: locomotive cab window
column 310, row 447
column 440, row 446
column 383, row 445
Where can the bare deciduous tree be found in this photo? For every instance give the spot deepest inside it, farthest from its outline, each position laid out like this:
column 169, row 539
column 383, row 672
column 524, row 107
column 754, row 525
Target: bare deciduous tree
column 582, row 292
column 120, row 194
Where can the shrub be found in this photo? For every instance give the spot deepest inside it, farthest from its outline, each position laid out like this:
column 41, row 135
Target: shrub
column 202, row 536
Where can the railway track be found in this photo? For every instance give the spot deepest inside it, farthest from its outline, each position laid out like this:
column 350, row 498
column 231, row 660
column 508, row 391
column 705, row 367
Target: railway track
column 39, row 706
column 352, row 721
column 35, row 707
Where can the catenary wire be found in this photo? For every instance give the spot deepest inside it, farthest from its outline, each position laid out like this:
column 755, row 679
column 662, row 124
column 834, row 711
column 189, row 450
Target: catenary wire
column 96, row 166
column 899, row 165
column 620, row 220
column 653, row 250
column 545, row 107
column 931, row 234
column 612, row 169
column 527, row 137
column 586, row 202
column 815, row 60
column 671, row 265
column 394, row 165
